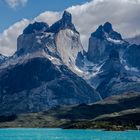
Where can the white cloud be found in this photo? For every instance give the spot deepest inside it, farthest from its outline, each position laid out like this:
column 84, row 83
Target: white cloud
column 8, row 38
column 15, row 3
column 123, row 14
column 48, row 17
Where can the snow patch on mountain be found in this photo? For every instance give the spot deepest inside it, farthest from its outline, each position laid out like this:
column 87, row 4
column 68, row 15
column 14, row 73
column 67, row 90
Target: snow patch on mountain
column 115, row 41
column 131, row 69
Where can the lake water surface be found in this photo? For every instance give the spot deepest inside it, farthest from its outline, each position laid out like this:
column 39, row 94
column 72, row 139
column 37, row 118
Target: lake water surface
column 59, row 134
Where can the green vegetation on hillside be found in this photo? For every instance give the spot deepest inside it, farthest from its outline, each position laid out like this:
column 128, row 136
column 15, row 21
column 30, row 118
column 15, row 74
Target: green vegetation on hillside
column 115, row 113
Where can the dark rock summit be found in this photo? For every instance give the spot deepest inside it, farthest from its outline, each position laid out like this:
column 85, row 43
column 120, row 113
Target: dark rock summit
column 112, row 34
column 35, row 27
column 99, row 33
column 65, row 22
column 107, row 27
column 106, row 31
column 103, row 41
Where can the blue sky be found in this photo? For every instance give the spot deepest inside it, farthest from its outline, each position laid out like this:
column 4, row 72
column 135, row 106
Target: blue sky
column 9, row 16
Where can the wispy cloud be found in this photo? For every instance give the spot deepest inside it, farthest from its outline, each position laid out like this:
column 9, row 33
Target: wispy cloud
column 15, row 3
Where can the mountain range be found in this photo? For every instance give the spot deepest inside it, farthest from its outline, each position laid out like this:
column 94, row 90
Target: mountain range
column 51, row 68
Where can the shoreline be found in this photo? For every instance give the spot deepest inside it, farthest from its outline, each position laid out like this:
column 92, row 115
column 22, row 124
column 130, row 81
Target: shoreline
column 79, row 125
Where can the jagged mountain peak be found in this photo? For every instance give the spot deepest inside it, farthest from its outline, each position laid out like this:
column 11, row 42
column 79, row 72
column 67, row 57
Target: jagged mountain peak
column 102, row 41
column 107, row 27
column 61, row 40
column 102, row 30
column 106, row 31
column 35, row 27
column 98, row 33
column 67, row 17
column 64, row 23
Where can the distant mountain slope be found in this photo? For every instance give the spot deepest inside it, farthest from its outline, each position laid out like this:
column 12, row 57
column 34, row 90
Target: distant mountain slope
column 110, row 105
column 134, row 40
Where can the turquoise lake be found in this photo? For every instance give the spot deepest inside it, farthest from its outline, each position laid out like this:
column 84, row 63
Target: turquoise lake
column 59, row 134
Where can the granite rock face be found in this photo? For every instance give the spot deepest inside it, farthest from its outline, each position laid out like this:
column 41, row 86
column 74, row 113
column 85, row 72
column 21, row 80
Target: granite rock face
column 103, row 41
column 110, row 73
